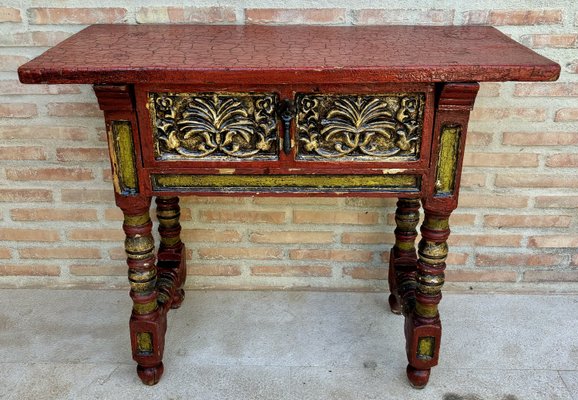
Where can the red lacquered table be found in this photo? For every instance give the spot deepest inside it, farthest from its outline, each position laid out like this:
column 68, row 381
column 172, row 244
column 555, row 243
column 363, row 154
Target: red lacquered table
column 287, row 111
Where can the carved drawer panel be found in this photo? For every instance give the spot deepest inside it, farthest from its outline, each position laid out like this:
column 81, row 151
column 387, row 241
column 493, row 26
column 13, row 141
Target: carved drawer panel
column 376, row 127
column 214, row 126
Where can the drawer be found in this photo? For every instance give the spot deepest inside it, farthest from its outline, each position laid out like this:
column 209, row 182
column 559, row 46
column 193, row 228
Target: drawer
column 292, row 128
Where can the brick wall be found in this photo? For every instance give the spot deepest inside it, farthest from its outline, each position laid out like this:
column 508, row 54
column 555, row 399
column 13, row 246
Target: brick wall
column 515, row 229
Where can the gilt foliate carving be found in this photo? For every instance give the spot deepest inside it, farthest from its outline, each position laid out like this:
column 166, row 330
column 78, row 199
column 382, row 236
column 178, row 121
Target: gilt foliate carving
column 376, row 127
column 214, row 125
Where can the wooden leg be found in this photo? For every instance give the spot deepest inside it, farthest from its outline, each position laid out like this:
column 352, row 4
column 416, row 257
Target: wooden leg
column 402, row 260
column 148, row 319
column 171, row 255
column 422, row 326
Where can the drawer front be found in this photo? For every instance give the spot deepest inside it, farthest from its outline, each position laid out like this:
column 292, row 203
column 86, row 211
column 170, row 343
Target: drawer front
column 364, row 127
column 214, row 126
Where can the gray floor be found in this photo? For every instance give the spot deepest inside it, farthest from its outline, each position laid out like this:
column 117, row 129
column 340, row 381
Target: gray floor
column 286, row 345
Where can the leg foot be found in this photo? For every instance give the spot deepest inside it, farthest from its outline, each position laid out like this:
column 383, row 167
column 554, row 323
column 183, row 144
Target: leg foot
column 178, row 298
column 417, row 377
column 150, row 375
column 394, row 304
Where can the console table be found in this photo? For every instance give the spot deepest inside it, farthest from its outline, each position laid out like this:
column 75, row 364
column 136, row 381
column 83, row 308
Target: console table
column 286, row 111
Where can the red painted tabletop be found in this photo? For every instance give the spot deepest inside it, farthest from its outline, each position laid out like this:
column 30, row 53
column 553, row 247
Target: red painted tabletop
column 286, row 54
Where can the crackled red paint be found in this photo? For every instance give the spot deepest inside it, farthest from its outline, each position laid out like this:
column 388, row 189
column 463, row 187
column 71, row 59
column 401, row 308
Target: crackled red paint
column 288, row 54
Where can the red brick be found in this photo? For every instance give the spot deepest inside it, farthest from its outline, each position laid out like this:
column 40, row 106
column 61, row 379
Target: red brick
column 52, row 214
column 512, row 17
column 270, row 217
column 546, row 89
column 554, row 241
column 551, row 276
column 9, row 14
column 18, row 110
column 500, row 160
column 197, row 15
column 539, row 41
column 59, row 252
column 536, row 181
column 87, row 195
column 522, row 221
column 332, row 217
column 517, row 260
column 22, row 153
column 480, row 276
column 21, row 269
column 291, row 271
column 295, row 16
column 105, row 269
column 540, row 138
column 29, row 235
column 508, row 113
column 39, row 132
column 365, row 202
column 240, row 253
column 557, row 201
column 291, row 237
column 96, row 234
column 25, row 195
column 49, row 174
column 562, row 160
column 365, row 273
column 473, row 200
column 566, row 115
column 83, row 16
column 12, row 62
column 209, row 235
column 74, row 110
column 294, row 201
column 74, row 154
column 403, row 16
column 485, row 240
column 367, row 238
column 213, row 270
column 33, row 38
column 331, row 255
column 14, row 87
column 471, row 180
column 479, row 138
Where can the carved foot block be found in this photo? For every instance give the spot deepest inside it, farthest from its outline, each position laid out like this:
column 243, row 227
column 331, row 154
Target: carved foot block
column 150, row 375
column 394, row 304
column 418, row 378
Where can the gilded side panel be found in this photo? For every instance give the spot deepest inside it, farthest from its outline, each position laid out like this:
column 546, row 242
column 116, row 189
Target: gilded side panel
column 144, row 343
column 287, row 183
column 376, row 127
column 214, row 126
column 123, row 158
column 426, row 347
column 448, row 159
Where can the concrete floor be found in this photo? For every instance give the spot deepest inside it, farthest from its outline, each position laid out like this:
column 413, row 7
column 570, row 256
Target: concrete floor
column 74, row 344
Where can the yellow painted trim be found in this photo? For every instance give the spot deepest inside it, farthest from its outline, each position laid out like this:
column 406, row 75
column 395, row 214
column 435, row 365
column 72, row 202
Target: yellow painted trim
column 126, row 181
column 448, row 160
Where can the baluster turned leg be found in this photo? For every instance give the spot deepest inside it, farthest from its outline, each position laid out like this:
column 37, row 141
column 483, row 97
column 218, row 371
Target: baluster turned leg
column 423, row 327
column 171, row 255
column 403, row 258
column 148, row 321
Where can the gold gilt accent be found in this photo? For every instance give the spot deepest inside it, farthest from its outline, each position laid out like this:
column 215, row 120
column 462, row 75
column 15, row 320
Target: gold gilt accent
column 426, row 347
column 287, row 183
column 361, row 127
column 188, row 126
column 144, row 342
column 448, row 159
column 121, row 150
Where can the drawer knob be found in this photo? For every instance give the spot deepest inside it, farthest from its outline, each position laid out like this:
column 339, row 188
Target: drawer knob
column 286, row 112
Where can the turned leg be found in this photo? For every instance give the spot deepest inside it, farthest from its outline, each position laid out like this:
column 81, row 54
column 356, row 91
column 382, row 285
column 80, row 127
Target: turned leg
column 422, row 326
column 148, row 320
column 402, row 259
column 171, row 255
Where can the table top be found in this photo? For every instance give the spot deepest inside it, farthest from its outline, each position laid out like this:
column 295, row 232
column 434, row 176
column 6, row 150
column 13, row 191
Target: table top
column 287, row 54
